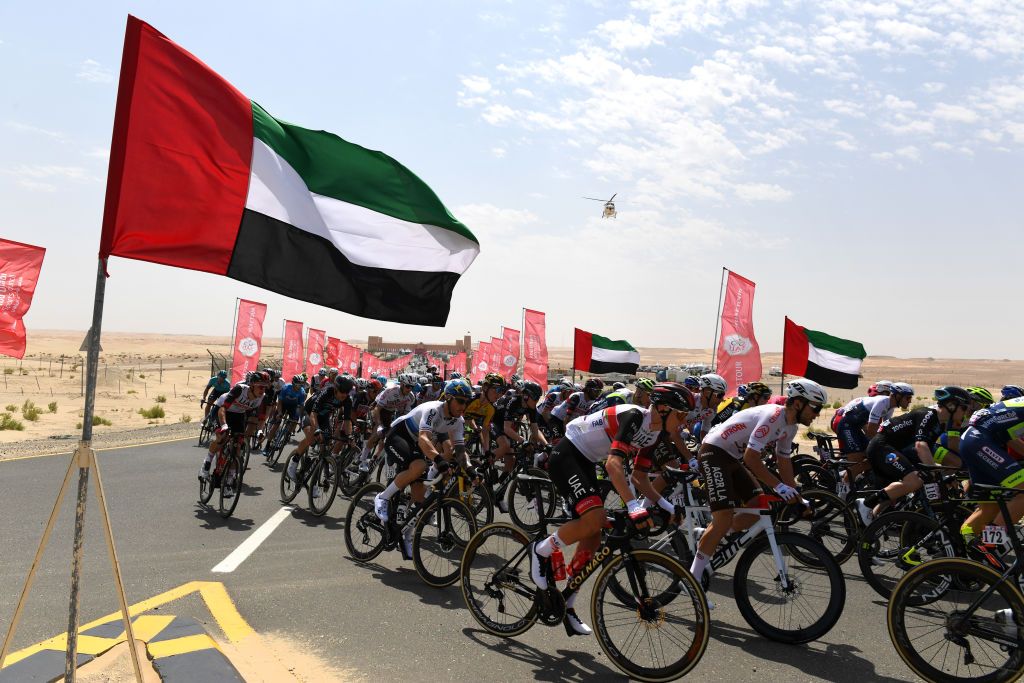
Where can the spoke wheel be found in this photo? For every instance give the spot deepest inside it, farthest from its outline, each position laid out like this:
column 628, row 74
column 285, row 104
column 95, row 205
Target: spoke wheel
column 524, row 498
column 495, row 580
column 290, row 486
column 364, row 532
column 323, row 485
column 230, row 485
column 442, row 533
column 831, row 522
column 897, row 542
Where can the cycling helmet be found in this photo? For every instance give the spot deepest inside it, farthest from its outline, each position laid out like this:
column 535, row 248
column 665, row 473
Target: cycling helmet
column 981, row 395
column 672, row 394
column 432, row 369
column 758, row 389
column 455, row 375
column 807, row 389
column 741, row 391
column 514, row 378
column 593, row 383
column 531, row 390
column 458, row 388
column 873, row 390
column 905, row 389
column 224, row 373
column 332, row 372
column 344, row 384
column 577, row 387
column 692, row 383
column 262, row 378
column 373, row 385
column 493, row 379
column 952, row 394
column 566, row 385
column 250, row 377
column 618, row 385
column 296, row 379
column 1011, row 391
column 322, row 372
column 407, row 380
column 271, row 372
column 883, row 387
column 644, row 384
column 361, row 384
column 714, row 382
column 382, row 379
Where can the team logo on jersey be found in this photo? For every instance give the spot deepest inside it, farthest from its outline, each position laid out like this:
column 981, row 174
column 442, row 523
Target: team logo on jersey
column 735, row 345
column 509, row 360
column 248, row 347
column 761, row 432
column 314, row 358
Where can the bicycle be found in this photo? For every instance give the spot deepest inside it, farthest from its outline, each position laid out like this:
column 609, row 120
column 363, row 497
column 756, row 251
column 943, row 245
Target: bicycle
column 282, row 437
column 226, row 474
column 523, row 503
column 317, row 473
column 810, row 586
column 630, row 603
column 964, row 611
column 208, row 426
column 442, row 527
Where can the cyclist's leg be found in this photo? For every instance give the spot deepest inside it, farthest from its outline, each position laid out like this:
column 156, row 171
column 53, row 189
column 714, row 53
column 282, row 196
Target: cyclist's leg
column 988, row 463
column 503, row 452
column 853, row 443
column 726, row 481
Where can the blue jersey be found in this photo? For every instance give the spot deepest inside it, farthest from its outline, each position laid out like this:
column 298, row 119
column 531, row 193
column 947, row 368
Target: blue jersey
column 1001, row 422
column 290, row 396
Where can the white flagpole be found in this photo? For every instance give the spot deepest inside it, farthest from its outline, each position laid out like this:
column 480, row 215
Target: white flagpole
column 718, row 319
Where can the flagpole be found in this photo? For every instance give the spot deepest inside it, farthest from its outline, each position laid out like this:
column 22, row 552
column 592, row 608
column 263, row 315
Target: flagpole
column 234, row 329
column 522, row 345
column 782, row 373
column 718, row 319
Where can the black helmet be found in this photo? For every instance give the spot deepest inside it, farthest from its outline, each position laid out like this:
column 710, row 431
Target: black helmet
column 952, row 394
column 593, row 383
column 672, row 394
column 531, row 390
column 344, row 384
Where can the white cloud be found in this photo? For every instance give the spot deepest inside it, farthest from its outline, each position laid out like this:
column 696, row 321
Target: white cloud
column 99, row 153
column 954, row 112
column 92, row 71
column 476, row 84
column 933, row 87
column 764, row 192
column 35, row 130
column 36, row 186
column 46, row 171
column 499, row 152
column 905, row 31
column 846, row 145
column 488, row 219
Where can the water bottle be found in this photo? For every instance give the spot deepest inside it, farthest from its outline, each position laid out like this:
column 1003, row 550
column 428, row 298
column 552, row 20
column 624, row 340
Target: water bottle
column 579, row 560
column 558, row 564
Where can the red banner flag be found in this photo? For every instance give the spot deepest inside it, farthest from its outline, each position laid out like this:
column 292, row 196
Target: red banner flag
column 483, row 359
column 739, row 358
column 332, row 354
column 495, row 360
column 248, row 338
column 314, row 351
column 349, row 358
column 19, row 272
column 535, row 349
column 291, row 364
column 509, row 352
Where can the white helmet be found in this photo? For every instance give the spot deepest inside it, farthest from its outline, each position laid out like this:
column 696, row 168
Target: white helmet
column 714, row 382
column 805, row 388
column 884, row 386
column 900, row 388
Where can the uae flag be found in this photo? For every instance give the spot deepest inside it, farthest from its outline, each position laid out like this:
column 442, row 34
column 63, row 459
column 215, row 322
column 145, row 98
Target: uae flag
column 203, row 178
column 828, row 360
column 597, row 355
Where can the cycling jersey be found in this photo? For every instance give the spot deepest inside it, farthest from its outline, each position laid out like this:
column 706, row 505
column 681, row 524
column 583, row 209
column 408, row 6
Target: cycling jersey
column 513, row 411
column 727, row 409
column 430, row 418
column 290, row 396
column 867, row 409
column 394, row 400
column 754, row 428
column 240, row 399
column 481, row 411
column 1001, row 422
column 621, row 429
column 615, row 398
column 904, row 431
column 360, row 404
column 218, row 386
column 325, row 403
column 572, row 407
column 699, row 413
column 429, row 393
column 550, row 400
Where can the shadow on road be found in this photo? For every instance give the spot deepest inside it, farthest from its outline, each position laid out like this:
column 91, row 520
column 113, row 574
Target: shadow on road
column 311, row 520
column 407, row 580
column 211, row 519
column 560, row 665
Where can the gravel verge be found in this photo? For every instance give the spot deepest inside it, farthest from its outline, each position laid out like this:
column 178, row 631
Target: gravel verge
column 66, row 443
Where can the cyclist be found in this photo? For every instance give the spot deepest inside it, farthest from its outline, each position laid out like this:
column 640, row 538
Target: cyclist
column 1011, row 391
column 911, row 438
column 217, row 385
column 433, row 385
column 392, row 402
column 289, row 406
column 556, row 394
column 319, row 409
column 753, row 394
column 316, row 384
column 609, row 436
column 411, row 443
column 980, row 398
column 233, row 409
column 479, row 415
column 712, row 390
column 508, row 415
column 857, row 422
column 992, row 448
column 740, row 441
column 574, row 406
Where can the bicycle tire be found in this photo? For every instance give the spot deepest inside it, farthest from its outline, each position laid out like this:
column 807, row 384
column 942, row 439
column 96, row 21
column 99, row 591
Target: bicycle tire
column 206, row 485
column 281, row 440
column 832, row 594
column 833, row 524
column 519, row 511
column 452, row 537
column 479, row 500
column 324, row 476
column 883, row 567
column 922, row 587
column 290, row 487
column 246, row 452
column 362, row 519
column 349, row 481
column 205, row 432
column 232, row 472
column 651, row 614
column 510, row 591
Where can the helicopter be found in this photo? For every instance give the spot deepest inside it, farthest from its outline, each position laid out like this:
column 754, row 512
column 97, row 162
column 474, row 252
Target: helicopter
column 609, row 206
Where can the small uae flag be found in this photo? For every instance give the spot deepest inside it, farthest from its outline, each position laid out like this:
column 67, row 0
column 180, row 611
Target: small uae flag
column 203, row 178
column 597, row 355
column 828, row 360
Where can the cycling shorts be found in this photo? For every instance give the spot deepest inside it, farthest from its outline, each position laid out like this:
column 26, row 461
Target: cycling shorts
column 890, row 464
column 852, row 438
column 988, row 462
column 726, row 479
column 400, row 450
column 291, row 409
column 575, row 478
column 556, row 426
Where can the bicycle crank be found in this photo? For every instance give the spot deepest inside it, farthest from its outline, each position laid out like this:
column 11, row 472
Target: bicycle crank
column 550, row 607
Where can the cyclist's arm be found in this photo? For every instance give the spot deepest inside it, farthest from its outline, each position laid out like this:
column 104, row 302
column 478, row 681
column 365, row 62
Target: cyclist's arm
column 536, row 436
column 613, row 465
column 485, row 435
column 511, row 433
column 752, row 459
column 924, row 452
column 871, row 429
column 426, row 443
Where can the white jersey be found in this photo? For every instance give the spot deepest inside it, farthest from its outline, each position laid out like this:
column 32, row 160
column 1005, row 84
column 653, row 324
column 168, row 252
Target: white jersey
column 700, row 413
column 429, row 393
column 577, row 404
column 754, row 428
column 876, row 409
column 593, row 434
column 394, row 400
column 430, row 418
column 239, row 400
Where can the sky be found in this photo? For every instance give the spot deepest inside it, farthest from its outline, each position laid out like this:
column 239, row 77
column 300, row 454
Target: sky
column 860, row 161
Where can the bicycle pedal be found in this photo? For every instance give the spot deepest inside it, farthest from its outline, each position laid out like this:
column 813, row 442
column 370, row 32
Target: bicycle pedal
column 550, row 606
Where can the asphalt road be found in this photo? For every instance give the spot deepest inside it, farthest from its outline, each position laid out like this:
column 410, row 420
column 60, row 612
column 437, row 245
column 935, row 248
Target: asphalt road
column 377, row 620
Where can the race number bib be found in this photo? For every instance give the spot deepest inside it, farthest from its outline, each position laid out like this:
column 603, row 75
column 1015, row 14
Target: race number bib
column 842, row 489
column 994, row 535
column 931, row 491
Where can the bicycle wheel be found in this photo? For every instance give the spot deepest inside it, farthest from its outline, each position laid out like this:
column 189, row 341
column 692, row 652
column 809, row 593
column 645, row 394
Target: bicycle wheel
column 941, row 640
column 495, row 580
column 832, row 523
column 442, row 533
column 808, row 607
column 897, row 542
column 525, row 497
column 281, row 439
column 205, row 432
column 479, row 500
column 206, row 485
column 364, row 532
column 324, row 483
column 650, row 638
column 290, row 486
column 231, row 485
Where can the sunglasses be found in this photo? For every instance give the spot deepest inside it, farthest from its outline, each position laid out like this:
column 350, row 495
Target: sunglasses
column 815, row 407
column 460, row 401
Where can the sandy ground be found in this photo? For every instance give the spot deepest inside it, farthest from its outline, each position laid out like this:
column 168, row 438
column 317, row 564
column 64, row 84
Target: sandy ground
column 142, row 371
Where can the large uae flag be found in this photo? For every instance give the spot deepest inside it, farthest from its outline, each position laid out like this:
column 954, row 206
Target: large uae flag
column 827, row 360
column 203, row 178
column 598, row 355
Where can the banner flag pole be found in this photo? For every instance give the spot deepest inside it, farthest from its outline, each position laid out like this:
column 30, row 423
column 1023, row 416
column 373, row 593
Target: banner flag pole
column 718, row 319
column 522, row 345
column 234, row 330
column 782, row 369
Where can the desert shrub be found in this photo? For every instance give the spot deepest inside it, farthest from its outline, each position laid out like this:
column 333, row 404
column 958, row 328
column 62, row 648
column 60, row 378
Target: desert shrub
column 12, row 408
column 837, row 405
column 142, row 376
column 185, row 419
column 97, row 420
column 161, row 399
column 24, row 371
column 52, row 406
column 8, row 371
column 8, row 422
column 132, row 391
column 29, row 411
column 152, row 413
